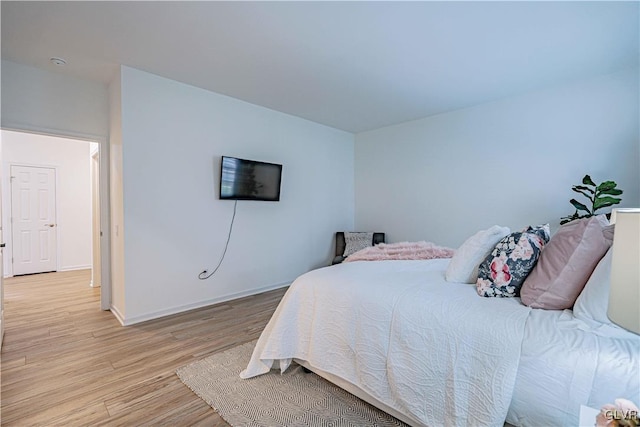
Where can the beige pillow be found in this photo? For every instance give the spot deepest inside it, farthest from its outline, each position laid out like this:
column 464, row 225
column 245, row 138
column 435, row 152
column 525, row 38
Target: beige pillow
column 566, row 263
column 355, row 242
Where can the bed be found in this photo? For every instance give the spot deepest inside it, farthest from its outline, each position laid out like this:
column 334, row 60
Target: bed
column 431, row 352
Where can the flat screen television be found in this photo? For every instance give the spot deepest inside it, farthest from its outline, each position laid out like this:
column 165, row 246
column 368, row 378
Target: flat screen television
column 242, row 179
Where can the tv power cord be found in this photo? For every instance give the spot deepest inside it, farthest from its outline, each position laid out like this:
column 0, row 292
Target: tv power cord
column 204, row 275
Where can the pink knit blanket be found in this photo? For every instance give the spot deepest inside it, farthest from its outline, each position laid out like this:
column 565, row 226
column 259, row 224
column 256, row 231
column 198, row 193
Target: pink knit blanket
column 401, row 250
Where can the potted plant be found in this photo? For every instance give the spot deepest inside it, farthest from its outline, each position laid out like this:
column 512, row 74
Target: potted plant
column 599, row 196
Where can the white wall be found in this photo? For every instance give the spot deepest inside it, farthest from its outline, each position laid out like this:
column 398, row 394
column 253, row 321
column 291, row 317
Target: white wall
column 35, row 98
column 116, row 207
column 73, row 192
column 174, row 224
column 510, row 162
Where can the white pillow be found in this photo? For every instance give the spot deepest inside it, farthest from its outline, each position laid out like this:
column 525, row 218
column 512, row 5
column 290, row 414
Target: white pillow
column 463, row 267
column 593, row 301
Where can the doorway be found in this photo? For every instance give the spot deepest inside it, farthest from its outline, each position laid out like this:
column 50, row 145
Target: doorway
column 51, row 205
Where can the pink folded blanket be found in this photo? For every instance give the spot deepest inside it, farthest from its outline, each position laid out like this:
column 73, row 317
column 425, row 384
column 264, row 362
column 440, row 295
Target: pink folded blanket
column 401, row 250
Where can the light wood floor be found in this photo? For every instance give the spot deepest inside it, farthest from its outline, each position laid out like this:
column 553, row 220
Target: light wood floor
column 66, row 363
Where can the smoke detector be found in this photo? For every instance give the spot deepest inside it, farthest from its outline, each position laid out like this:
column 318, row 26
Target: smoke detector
column 58, row 61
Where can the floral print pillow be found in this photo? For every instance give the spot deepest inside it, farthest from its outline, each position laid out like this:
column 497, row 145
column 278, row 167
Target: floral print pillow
column 504, row 270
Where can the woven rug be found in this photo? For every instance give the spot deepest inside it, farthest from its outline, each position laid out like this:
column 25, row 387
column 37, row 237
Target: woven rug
column 294, row 398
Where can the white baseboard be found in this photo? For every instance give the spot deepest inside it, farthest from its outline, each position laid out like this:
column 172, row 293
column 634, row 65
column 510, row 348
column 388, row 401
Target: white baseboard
column 117, row 314
column 175, row 310
column 75, row 267
column 70, row 268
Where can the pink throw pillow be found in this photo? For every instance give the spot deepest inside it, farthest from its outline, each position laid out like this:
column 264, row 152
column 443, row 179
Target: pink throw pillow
column 566, row 263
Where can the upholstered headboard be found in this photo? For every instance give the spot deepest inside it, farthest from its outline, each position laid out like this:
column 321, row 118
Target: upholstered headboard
column 340, row 245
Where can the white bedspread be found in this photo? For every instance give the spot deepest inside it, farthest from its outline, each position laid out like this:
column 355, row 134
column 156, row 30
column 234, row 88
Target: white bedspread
column 428, row 348
column 565, row 365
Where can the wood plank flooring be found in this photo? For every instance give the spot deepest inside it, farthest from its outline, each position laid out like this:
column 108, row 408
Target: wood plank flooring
column 66, row 363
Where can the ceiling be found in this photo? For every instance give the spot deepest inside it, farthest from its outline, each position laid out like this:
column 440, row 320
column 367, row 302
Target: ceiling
column 354, row 66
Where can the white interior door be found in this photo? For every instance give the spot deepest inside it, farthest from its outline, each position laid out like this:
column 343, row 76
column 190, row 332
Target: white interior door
column 96, row 270
column 1, row 285
column 1, row 275
column 33, row 219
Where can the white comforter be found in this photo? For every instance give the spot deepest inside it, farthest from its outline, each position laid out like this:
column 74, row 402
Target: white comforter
column 564, row 365
column 428, row 348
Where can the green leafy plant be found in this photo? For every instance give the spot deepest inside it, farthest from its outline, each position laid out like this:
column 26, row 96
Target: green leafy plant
column 600, row 196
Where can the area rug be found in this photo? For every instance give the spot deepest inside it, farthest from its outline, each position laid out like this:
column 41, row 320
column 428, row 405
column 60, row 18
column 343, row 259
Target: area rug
column 294, row 398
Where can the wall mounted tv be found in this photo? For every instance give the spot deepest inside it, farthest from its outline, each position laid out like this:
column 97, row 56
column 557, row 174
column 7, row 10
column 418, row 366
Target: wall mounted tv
column 242, row 179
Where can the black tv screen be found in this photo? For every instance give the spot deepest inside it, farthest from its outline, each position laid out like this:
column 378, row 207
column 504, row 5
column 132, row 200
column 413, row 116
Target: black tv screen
column 242, row 179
